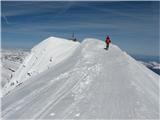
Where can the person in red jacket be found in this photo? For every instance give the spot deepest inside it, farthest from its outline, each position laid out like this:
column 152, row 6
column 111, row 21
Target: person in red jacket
column 107, row 42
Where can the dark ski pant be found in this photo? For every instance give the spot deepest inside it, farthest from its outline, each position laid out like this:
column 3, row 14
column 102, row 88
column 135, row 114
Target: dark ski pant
column 107, row 46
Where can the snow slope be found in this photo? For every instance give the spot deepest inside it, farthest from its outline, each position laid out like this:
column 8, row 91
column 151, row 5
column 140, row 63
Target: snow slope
column 11, row 60
column 43, row 56
column 8, row 68
column 90, row 84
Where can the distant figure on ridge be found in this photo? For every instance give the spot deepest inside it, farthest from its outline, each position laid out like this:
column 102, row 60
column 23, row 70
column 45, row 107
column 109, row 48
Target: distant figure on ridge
column 107, row 42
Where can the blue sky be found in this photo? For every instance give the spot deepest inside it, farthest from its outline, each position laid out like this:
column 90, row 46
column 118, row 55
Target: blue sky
column 133, row 26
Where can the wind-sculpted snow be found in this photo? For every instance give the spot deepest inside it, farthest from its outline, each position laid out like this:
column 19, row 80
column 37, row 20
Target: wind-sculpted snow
column 43, row 56
column 90, row 84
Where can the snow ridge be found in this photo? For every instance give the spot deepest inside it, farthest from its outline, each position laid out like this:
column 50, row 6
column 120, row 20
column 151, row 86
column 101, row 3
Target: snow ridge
column 46, row 54
column 91, row 83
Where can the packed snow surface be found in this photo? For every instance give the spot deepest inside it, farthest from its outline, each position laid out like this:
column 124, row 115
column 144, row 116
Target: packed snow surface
column 91, row 83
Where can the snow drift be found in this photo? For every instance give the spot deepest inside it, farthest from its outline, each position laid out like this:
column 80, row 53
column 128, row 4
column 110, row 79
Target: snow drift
column 89, row 83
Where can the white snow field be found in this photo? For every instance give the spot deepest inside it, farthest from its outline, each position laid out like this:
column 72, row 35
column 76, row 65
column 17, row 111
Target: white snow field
column 84, row 82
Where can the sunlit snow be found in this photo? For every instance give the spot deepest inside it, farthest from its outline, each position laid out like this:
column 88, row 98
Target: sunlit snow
column 72, row 80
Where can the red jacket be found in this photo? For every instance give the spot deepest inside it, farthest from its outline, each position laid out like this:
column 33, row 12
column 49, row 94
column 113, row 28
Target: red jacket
column 107, row 40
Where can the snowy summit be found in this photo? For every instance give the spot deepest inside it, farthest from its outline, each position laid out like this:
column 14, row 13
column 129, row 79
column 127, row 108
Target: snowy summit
column 65, row 79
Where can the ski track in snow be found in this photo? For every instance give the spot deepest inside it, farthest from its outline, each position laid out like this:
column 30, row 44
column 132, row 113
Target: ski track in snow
column 92, row 83
column 76, row 87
